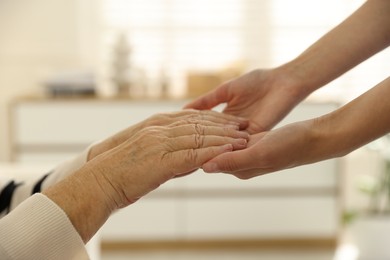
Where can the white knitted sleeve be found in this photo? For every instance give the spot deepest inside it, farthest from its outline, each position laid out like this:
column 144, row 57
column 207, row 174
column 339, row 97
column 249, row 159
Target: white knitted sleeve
column 39, row 229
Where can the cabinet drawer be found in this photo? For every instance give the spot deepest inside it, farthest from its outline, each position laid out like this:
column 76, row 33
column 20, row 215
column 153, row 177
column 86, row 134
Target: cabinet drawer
column 216, row 218
column 147, row 219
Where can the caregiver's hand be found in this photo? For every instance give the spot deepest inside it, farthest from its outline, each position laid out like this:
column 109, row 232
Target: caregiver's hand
column 140, row 164
column 289, row 146
column 209, row 118
column 332, row 135
column 262, row 96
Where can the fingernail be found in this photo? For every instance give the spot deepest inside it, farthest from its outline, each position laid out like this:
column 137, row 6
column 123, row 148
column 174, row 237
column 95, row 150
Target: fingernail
column 241, row 142
column 244, row 135
column 227, row 148
column 211, row 168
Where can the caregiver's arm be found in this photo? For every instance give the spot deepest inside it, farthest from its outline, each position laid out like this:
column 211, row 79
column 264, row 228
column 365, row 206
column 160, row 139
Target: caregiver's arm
column 355, row 124
column 266, row 96
column 364, row 33
column 333, row 135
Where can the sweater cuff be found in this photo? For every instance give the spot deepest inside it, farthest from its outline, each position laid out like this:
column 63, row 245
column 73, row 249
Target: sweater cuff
column 39, row 229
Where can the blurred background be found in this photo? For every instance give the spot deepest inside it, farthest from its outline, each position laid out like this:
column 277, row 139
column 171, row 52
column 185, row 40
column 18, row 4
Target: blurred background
column 165, row 40
column 92, row 67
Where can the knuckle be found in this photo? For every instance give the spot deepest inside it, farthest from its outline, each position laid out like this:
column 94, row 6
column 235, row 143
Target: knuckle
column 150, row 130
column 191, row 120
column 195, row 115
column 153, row 132
column 198, row 140
column 191, row 156
column 199, row 135
column 229, row 131
column 199, row 129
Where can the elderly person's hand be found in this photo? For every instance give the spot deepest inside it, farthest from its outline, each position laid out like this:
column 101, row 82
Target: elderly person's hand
column 140, row 164
column 207, row 117
column 156, row 154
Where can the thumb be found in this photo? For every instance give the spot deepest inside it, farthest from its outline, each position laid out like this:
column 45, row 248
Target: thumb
column 229, row 162
column 209, row 100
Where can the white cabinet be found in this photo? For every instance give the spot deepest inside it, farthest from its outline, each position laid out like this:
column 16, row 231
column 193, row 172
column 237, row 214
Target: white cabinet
column 299, row 203
column 258, row 217
column 52, row 130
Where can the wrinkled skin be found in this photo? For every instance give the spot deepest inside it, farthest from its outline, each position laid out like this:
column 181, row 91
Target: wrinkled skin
column 144, row 157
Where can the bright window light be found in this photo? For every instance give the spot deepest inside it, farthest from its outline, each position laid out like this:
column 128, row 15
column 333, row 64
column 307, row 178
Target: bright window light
column 185, row 35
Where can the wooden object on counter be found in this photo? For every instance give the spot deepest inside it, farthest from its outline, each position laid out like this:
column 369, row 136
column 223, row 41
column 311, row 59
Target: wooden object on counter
column 201, row 82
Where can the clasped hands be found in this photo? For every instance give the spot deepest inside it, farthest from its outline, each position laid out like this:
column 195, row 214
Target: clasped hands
column 130, row 164
column 238, row 141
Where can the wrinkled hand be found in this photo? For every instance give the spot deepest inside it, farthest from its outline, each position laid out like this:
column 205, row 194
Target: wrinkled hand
column 262, row 96
column 211, row 118
column 156, row 154
column 282, row 148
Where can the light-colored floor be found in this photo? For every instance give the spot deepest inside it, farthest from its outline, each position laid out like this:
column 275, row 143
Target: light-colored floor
column 221, row 255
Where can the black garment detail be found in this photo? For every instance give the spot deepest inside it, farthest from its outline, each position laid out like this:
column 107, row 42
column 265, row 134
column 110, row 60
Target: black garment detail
column 6, row 196
column 38, row 186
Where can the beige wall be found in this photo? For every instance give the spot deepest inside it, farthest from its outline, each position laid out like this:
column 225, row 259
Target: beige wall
column 37, row 39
